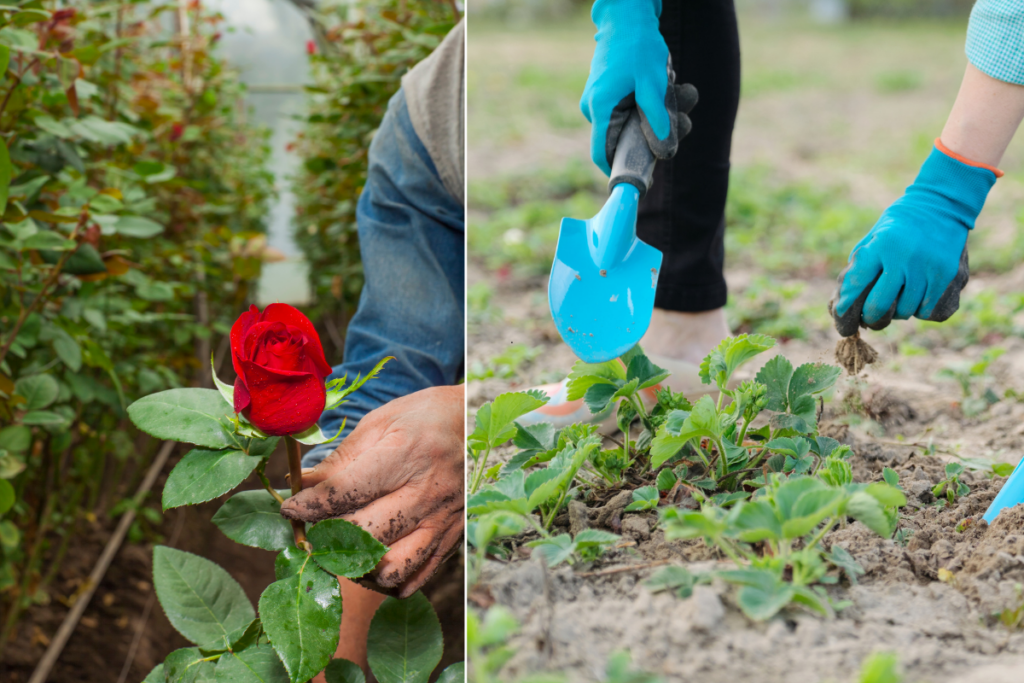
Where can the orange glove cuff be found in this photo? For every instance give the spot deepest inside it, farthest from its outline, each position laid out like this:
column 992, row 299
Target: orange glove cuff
column 964, row 160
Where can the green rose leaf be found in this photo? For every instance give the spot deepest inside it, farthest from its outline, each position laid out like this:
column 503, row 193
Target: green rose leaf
column 38, row 391
column 137, row 226
column 187, row 666
column 43, row 418
column 191, row 415
column 301, row 614
column 253, row 518
column 200, row 599
column 258, row 664
column 203, row 475
column 15, row 439
column 404, row 644
column 456, row 673
column 344, row 549
column 344, row 671
column 6, row 496
column 156, row 675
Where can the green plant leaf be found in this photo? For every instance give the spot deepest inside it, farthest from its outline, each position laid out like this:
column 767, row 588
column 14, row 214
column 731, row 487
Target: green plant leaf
column 841, row 558
column 344, row 671
column 886, row 495
column 666, row 480
column 494, row 420
column 644, row 498
column 156, row 675
column 301, row 614
column 10, row 465
column 38, row 391
column 64, row 345
column 6, row 496
column 43, row 418
column 226, row 390
column 730, row 354
column 599, row 396
column 592, row 537
column 672, row 578
column 16, row 438
column 404, row 644
column 810, row 509
column 48, row 240
column 187, row 666
column 344, row 549
column 6, row 170
column 645, row 372
column 249, row 636
column 455, row 673
column 811, row 378
column 755, row 521
column 762, row 594
column 191, row 415
column 258, row 664
column 203, row 475
column 880, row 667
column 866, row 509
column 554, row 550
column 776, row 375
column 253, row 518
column 137, row 226
column 200, row 599
column 585, row 375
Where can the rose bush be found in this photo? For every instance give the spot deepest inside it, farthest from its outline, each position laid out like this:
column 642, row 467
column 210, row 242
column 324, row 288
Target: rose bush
column 281, row 369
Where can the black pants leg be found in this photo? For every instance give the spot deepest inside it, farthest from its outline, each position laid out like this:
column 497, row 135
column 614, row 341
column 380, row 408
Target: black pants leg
column 684, row 213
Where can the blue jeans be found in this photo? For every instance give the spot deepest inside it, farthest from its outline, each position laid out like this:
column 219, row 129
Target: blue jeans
column 411, row 238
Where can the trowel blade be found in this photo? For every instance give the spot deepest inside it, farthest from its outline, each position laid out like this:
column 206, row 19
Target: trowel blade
column 601, row 313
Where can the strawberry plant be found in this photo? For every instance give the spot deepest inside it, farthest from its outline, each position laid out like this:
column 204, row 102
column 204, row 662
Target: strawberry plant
column 789, row 516
column 279, row 393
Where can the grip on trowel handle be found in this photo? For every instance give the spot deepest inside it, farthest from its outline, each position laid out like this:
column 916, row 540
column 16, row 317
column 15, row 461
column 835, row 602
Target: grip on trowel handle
column 634, row 160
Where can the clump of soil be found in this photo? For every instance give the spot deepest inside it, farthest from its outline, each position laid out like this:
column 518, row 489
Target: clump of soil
column 854, row 354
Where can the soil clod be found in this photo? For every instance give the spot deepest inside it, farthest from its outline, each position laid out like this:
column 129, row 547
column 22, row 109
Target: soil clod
column 854, row 354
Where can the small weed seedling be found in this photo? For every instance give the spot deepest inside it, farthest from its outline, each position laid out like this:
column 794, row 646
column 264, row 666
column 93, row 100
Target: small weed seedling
column 588, row 545
column 952, row 485
column 970, row 377
column 881, row 667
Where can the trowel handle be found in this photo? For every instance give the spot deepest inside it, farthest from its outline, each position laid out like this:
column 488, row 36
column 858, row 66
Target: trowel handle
column 634, row 160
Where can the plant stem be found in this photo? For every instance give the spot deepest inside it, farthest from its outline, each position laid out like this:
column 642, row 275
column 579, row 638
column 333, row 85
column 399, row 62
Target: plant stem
column 295, row 475
column 266, row 482
column 478, row 473
column 821, row 534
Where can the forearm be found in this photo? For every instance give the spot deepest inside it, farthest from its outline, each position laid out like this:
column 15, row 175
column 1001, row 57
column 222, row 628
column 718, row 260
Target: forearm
column 985, row 116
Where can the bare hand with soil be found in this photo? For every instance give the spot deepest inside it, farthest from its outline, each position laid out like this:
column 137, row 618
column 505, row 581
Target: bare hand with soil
column 399, row 476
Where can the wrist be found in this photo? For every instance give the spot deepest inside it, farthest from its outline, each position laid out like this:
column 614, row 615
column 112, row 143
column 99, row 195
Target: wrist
column 945, row 149
column 952, row 187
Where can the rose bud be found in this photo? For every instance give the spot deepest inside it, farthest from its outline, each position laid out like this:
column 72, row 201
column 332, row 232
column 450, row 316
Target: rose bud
column 281, row 369
column 176, row 131
column 310, row 47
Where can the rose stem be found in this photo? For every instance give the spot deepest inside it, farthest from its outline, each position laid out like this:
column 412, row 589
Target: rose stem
column 295, row 475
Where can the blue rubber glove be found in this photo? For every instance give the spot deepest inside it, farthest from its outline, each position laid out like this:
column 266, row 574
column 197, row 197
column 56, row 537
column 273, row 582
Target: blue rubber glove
column 914, row 261
column 632, row 68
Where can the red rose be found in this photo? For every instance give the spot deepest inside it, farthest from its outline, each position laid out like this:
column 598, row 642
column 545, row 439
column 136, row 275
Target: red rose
column 310, row 47
column 281, row 369
column 176, row 131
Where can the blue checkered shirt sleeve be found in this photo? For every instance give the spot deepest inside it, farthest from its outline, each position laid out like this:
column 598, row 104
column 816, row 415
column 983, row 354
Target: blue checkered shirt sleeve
column 995, row 39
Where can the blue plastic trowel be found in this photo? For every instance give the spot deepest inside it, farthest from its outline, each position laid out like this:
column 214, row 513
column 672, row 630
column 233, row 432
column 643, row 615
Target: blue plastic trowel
column 603, row 279
column 1010, row 495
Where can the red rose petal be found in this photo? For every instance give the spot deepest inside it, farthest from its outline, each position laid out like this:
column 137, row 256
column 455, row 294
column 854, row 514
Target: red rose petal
column 283, row 402
column 289, row 315
column 238, row 333
column 242, row 398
